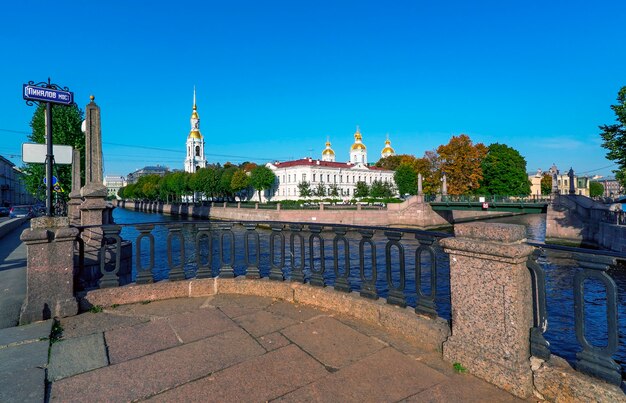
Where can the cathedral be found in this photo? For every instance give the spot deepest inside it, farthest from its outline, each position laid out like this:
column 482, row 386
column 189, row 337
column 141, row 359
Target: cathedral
column 327, row 173
column 195, row 142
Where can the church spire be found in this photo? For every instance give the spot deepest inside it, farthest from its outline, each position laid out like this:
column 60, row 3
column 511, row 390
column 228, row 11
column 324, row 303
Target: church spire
column 195, row 143
column 195, row 119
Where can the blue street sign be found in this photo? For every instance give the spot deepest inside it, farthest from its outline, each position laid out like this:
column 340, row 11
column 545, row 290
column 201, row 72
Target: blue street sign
column 41, row 94
column 54, row 180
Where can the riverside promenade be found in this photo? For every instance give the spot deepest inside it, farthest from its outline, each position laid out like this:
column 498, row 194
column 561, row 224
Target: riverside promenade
column 225, row 348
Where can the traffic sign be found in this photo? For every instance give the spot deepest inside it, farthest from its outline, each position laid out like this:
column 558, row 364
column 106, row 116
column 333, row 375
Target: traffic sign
column 54, row 180
column 485, row 205
column 42, row 94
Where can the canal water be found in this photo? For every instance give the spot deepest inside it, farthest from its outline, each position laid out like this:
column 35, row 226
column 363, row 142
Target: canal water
column 560, row 269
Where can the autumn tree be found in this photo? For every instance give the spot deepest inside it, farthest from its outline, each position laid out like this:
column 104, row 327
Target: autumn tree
column 461, row 161
column 240, row 182
column 614, row 137
column 504, row 172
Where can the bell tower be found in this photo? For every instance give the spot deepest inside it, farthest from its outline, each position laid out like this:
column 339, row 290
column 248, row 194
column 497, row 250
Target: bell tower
column 195, row 142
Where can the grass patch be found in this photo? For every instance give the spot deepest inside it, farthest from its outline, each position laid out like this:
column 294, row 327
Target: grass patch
column 57, row 332
column 115, row 306
column 458, row 368
column 95, row 309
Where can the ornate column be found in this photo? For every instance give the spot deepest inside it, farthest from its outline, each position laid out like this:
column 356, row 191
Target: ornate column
column 491, row 296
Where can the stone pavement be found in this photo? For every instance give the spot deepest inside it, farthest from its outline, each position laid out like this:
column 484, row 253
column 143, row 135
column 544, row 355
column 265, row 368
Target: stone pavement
column 245, row 348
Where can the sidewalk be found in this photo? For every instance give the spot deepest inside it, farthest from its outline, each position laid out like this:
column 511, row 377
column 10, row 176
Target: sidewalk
column 228, row 348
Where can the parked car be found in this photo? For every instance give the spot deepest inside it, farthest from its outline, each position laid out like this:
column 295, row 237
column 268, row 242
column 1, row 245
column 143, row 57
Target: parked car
column 21, row 211
column 4, row 211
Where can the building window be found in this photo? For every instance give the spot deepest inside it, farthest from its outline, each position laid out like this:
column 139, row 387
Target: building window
column 197, row 151
column 353, row 178
column 303, row 177
column 328, row 178
column 313, row 177
column 335, row 179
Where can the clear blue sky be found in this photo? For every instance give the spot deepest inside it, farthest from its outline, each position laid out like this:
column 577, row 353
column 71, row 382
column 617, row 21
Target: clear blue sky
column 274, row 79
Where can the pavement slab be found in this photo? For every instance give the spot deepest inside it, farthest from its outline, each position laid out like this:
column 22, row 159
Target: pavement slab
column 27, row 333
column 24, row 385
column 296, row 312
column 88, row 323
column 22, row 356
column 154, row 373
column 200, row 324
column 273, row 341
column 283, row 370
column 164, row 308
column 145, row 338
column 385, row 376
column 239, row 305
column 463, row 388
column 262, row 322
column 76, row 355
column 332, row 342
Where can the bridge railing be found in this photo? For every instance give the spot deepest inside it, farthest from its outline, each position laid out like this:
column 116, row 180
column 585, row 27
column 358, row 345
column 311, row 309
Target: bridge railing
column 402, row 265
column 488, row 198
column 615, row 217
column 407, row 267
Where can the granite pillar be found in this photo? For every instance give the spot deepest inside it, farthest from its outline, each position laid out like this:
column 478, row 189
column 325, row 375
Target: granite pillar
column 73, row 205
column 491, row 304
column 50, row 270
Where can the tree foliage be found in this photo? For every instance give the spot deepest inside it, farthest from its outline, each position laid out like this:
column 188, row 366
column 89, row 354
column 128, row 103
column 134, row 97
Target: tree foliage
column 361, row 189
column 304, row 189
column 461, row 161
column 504, row 172
column 381, row 189
column 406, row 179
column 546, row 184
column 66, row 130
column 596, row 189
column 262, row 178
column 614, row 137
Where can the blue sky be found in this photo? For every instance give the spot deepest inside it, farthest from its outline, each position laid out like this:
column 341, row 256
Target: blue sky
column 275, row 78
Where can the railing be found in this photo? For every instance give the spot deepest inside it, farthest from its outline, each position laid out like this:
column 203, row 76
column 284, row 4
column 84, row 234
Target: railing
column 532, row 199
column 405, row 266
column 601, row 299
column 349, row 258
column 615, row 217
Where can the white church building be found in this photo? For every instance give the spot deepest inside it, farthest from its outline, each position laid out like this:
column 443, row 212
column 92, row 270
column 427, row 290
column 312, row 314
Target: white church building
column 342, row 176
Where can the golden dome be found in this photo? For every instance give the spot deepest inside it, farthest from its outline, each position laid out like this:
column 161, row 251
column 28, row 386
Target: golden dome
column 388, row 148
column 328, row 151
column 357, row 135
column 194, row 114
column 195, row 134
column 358, row 146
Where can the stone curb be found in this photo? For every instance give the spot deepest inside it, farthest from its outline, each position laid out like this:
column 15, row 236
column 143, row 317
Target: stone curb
column 8, row 226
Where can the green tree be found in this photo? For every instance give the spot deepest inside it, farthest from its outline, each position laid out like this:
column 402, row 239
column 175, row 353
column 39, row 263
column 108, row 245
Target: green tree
column 614, row 137
column 66, row 130
column 240, row 182
column 546, row 184
column 148, row 186
column 320, row 190
column 226, row 178
column 361, row 190
column 304, row 189
column 596, row 189
column 333, row 190
column 381, row 189
column 461, row 160
column 262, row 178
column 406, row 179
column 504, row 172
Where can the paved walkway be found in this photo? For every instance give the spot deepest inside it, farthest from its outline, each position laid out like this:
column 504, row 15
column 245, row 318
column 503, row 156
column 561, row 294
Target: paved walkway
column 243, row 348
column 12, row 276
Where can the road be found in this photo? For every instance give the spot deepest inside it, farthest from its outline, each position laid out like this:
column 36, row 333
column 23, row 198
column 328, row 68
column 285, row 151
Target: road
column 12, row 277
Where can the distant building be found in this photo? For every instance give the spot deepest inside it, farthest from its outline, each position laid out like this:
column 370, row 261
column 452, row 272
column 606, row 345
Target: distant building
column 612, row 187
column 113, row 184
column 133, row 177
column 327, row 173
column 581, row 183
column 195, row 142
column 12, row 188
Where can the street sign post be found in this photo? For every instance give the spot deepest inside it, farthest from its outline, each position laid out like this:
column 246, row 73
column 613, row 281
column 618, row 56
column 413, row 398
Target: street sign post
column 49, row 94
column 34, row 153
column 39, row 94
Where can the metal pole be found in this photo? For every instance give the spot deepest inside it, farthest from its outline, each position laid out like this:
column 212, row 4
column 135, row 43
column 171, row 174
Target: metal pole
column 49, row 160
